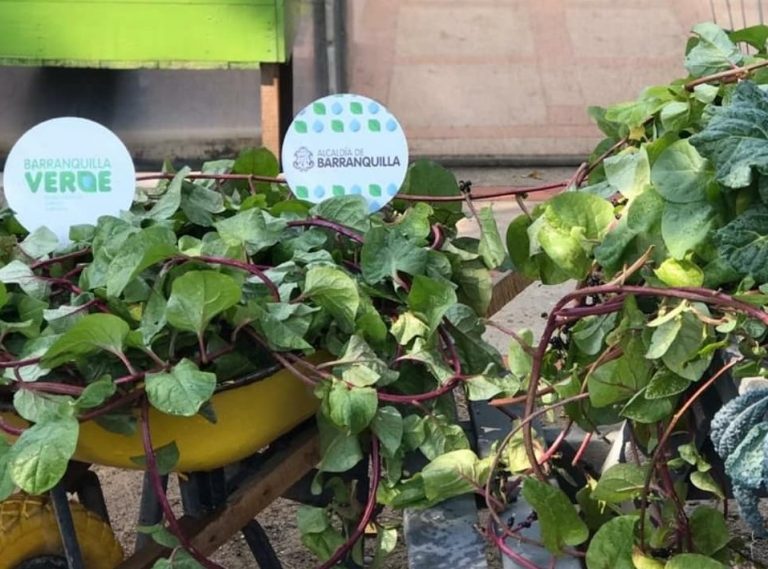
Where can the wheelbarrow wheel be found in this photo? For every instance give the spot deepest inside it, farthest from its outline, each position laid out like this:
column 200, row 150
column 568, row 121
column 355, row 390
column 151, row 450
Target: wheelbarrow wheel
column 29, row 536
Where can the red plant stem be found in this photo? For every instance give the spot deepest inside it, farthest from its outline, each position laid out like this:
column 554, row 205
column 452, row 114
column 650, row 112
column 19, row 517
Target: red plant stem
column 252, row 269
column 582, row 449
column 325, row 224
column 49, row 387
column 367, row 513
column 115, row 404
column 438, row 237
column 200, row 176
column 419, row 397
column 484, row 196
column 500, row 543
column 722, row 300
column 9, row 429
column 553, row 448
column 59, row 259
column 157, row 486
column 451, row 346
column 658, row 453
column 19, row 363
column 733, row 73
column 526, row 420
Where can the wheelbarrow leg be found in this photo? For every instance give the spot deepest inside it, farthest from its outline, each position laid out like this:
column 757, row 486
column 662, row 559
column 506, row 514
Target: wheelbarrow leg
column 150, row 511
column 91, row 495
column 66, row 528
column 260, row 547
column 203, row 492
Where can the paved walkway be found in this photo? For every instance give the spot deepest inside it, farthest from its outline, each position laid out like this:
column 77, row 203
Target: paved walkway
column 515, row 77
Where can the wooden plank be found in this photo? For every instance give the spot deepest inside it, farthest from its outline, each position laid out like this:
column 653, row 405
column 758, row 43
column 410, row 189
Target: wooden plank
column 506, row 286
column 276, row 104
column 183, row 33
column 281, row 471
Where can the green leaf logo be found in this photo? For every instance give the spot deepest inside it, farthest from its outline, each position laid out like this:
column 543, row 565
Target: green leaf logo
column 374, row 125
column 300, row 127
column 337, row 126
column 356, row 108
column 319, row 108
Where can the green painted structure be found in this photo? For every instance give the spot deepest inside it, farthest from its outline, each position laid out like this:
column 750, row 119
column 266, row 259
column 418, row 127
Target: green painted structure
column 161, row 34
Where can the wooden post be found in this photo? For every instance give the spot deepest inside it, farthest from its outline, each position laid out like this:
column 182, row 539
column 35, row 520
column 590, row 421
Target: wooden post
column 276, row 103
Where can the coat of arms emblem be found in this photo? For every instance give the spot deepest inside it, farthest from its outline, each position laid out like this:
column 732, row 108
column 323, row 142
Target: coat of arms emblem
column 302, row 159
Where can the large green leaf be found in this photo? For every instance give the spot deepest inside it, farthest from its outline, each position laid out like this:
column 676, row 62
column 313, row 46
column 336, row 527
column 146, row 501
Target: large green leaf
column 452, row 474
column 491, row 247
column 425, row 177
column 387, row 251
column 334, row 290
column 18, row 273
column 628, row 172
column 283, row 325
column 388, row 427
column 7, row 486
column 38, row 407
column 40, row 242
column 560, row 523
column 709, row 530
column 142, row 250
column 198, row 296
column 692, row 561
column 181, row 391
column 340, row 450
column 620, row 483
column 736, row 140
column 620, row 379
column 682, row 357
column 90, row 334
column 680, row 174
column 41, row 455
column 350, row 211
column 686, row 226
column 254, row 228
column 743, row 243
column 430, row 299
column 714, row 51
column 611, row 547
column 170, row 201
column 199, row 203
column 351, row 408
column 567, row 231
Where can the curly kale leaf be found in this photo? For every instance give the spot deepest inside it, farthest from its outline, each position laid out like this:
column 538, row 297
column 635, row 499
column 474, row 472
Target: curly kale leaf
column 748, row 500
column 728, row 414
column 736, row 139
column 745, row 464
column 743, row 243
column 738, row 433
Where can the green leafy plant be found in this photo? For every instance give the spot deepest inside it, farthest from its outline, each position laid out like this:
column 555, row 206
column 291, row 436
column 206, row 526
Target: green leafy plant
column 214, row 277
column 664, row 232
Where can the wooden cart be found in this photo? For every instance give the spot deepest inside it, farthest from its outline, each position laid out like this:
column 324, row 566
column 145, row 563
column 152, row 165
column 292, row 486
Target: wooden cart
column 183, row 34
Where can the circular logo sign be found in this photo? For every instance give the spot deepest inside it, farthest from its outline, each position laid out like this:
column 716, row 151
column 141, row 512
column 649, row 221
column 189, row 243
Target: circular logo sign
column 345, row 145
column 68, row 171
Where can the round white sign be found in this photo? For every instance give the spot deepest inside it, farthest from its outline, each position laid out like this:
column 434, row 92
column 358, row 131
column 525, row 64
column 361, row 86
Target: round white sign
column 345, row 145
column 68, row 171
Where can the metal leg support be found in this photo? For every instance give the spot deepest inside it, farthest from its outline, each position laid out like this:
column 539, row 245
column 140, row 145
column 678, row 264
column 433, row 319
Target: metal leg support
column 261, row 548
column 150, row 511
column 66, row 528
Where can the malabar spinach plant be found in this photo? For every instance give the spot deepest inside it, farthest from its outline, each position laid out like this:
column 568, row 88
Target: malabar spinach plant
column 665, row 232
column 213, row 276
